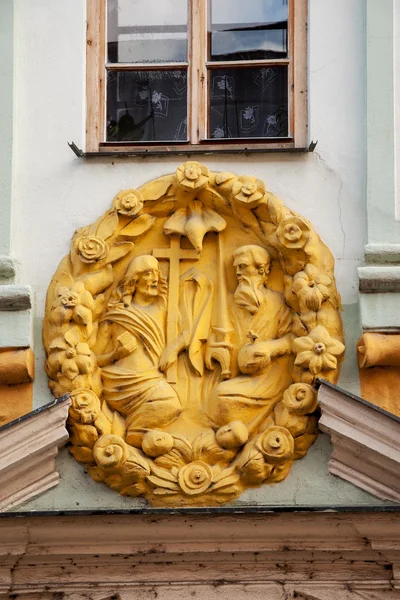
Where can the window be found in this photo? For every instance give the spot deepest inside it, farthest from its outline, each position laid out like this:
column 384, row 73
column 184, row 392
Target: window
column 196, row 75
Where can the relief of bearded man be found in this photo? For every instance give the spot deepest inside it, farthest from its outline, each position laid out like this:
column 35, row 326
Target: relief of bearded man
column 264, row 366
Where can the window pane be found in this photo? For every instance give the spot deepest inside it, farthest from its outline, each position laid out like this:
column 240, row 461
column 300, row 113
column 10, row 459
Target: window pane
column 147, row 31
column 146, row 106
column 248, row 30
column 249, row 102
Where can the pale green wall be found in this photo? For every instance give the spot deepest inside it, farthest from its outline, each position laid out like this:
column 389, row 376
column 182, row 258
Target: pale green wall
column 382, row 226
column 6, row 121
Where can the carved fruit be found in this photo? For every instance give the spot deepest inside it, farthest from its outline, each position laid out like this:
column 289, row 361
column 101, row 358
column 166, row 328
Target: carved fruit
column 233, row 435
column 155, row 443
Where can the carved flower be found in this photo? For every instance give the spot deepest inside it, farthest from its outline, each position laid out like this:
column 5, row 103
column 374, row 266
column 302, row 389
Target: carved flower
column 70, row 356
column 193, row 222
column 311, row 287
column 110, row 451
column 317, row 351
column 248, row 190
column 276, row 444
column 193, row 175
column 128, row 202
column 91, row 249
column 195, row 477
column 300, row 399
column 74, row 304
column 85, row 406
column 293, row 232
column 155, row 443
column 233, row 435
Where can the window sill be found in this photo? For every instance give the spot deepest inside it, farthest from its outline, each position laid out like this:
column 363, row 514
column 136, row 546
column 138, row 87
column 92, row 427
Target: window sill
column 126, row 150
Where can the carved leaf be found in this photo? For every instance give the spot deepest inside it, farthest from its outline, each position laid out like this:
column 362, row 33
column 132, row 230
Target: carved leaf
column 171, row 459
column 118, row 425
column 83, row 435
column 118, row 251
column 103, row 425
column 96, row 474
column 106, row 410
column 246, row 217
column 83, row 316
column 99, row 281
column 138, row 226
column 134, row 490
column 157, row 188
column 163, row 483
column 225, row 478
column 163, row 474
column 72, row 336
column 82, row 454
column 107, row 225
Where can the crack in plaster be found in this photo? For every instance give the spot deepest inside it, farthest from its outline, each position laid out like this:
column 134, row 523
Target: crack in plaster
column 340, row 217
column 337, row 176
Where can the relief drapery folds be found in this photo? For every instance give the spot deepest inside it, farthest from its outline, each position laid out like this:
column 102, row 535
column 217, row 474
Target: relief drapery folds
column 189, row 324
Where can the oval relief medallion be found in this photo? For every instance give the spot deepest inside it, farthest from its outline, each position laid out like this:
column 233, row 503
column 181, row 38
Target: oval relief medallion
column 189, row 324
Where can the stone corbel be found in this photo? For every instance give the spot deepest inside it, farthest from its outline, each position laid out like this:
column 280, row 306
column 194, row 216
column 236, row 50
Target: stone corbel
column 28, row 447
column 365, row 439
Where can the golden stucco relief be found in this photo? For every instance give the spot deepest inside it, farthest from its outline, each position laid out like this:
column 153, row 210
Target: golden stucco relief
column 189, row 324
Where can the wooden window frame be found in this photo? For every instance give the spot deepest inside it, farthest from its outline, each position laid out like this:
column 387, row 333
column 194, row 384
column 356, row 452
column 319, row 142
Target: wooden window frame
column 197, row 91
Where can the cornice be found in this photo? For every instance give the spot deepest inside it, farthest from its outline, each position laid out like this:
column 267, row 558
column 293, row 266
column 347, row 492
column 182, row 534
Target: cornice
column 276, row 554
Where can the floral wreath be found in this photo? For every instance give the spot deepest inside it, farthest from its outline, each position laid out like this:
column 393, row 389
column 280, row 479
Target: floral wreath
column 219, row 464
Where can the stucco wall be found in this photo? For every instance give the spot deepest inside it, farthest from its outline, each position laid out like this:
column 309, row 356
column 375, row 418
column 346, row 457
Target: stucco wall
column 54, row 192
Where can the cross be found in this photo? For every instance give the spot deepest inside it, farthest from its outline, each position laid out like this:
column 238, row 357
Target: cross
column 174, row 254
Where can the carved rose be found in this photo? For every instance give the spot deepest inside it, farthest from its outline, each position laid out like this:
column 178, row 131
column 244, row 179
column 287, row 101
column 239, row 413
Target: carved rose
column 311, row 287
column 192, row 175
column 128, row 202
column 91, row 249
column 233, row 435
column 317, row 351
column 155, row 443
column 85, row 406
column 248, row 190
column 276, row 444
column 73, row 304
column 293, row 232
column 300, row 399
column 195, row 477
column 110, row 451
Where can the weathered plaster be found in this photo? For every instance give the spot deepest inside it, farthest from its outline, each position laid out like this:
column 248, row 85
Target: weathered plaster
column 171, row 557
column 382, row 226
column 6, row 128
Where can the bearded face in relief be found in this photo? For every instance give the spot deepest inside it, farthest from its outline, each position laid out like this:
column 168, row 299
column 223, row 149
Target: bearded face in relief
column 252, row 265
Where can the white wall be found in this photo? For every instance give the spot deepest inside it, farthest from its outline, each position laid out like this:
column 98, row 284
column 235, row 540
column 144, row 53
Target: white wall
column 54, row 192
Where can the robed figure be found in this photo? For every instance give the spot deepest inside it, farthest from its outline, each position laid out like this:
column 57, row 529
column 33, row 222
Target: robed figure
column 133, row 350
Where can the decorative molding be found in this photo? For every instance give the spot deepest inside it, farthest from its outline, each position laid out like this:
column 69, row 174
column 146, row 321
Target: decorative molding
column 124, row 557
column 382, row 253
column 365, row 442
column 15, row 297
column 379, row 278
column 28, row 447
